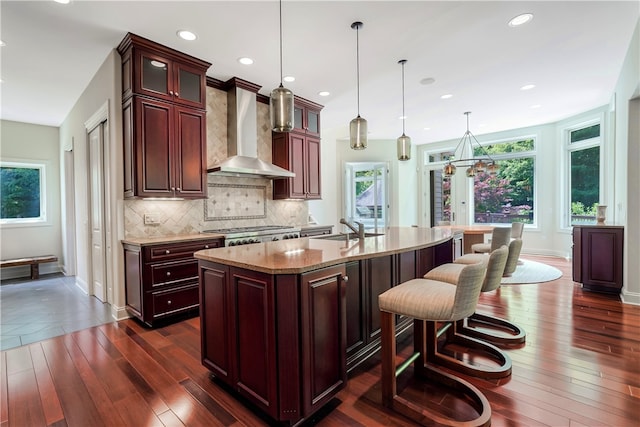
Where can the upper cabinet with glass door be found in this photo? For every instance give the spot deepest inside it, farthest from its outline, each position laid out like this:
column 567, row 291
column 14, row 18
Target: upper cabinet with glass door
column 163, row 73
column 306, row 117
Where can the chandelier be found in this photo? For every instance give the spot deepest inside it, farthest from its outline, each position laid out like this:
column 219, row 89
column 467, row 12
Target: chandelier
column 463, row 156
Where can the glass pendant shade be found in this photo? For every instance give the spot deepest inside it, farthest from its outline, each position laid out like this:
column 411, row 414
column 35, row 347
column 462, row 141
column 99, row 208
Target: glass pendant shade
column 471, row 172
column 281, row 109
column 358, row 133
column 493, row 169
column 480, row 166
column 449, row 169
column 404, row 147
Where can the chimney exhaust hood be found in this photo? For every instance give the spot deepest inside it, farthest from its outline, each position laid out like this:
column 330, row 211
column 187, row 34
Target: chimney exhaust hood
column 242, row 142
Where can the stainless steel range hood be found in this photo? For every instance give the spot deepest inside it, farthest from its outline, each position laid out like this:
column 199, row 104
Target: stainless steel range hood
column 242, row 142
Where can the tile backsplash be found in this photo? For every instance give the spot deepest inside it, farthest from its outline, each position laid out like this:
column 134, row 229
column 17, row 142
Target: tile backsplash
column 231, row 202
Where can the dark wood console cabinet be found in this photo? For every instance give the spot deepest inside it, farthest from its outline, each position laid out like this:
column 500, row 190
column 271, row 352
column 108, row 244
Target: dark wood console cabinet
column 164, row 121
column 597, row 257
column 161, row 281
column 299, row 152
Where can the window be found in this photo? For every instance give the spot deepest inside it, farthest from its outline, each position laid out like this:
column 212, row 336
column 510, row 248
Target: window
column 583, row 146
column 507, row 196
column 22, row 196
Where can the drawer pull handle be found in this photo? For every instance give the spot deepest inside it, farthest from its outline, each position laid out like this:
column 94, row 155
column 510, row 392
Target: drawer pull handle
column 168, row 273
column 169, row 302
column 206, row 246
column 167, row 252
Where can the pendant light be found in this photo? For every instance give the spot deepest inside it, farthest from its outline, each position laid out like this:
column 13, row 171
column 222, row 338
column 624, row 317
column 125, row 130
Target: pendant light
column 281, row 99
column 404, row 142
column 358, row 126
column 473, row 164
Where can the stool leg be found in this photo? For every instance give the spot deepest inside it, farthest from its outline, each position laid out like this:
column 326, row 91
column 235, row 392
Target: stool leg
column 388, row 343
column 35, row 271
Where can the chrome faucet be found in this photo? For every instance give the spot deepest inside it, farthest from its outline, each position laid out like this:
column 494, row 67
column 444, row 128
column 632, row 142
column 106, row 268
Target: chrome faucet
column 359, row 231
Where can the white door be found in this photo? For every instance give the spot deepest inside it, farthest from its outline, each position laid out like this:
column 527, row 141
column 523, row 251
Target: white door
column 96, row 170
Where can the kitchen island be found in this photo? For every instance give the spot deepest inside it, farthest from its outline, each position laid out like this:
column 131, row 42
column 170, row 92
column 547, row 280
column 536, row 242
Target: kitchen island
column 283, row 322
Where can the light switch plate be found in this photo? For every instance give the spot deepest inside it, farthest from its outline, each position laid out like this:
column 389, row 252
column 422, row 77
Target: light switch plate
column 151, row 219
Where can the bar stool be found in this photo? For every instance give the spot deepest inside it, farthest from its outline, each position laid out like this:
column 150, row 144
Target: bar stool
column 499, row 236
column 429, row 302
column 498, row 259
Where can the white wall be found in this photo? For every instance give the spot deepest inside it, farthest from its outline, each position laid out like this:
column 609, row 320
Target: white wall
column 627, row 172
column 28, row 142
column 105, row 87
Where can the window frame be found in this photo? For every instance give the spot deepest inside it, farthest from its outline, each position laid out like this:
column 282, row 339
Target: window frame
column 42, row 219
column 510, row 156
column 568, row 148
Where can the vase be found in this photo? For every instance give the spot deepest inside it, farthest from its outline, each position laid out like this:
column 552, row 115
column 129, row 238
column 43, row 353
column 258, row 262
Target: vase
column 602, row 214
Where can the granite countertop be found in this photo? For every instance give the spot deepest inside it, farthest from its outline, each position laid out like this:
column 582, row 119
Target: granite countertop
column 149, row 241
column 305, row 254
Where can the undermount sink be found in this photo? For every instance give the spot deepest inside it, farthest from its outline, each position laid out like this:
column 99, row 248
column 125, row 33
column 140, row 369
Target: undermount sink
column 350, row 236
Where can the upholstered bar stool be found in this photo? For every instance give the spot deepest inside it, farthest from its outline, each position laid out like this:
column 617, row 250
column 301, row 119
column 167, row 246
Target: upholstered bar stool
column 500, row 236
column 506, row 332
column 512, row 261
column 429, row 302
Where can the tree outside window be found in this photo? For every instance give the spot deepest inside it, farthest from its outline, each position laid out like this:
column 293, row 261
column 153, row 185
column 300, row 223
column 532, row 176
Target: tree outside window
column 507, row 196
column 584, row 179
column 21, row 195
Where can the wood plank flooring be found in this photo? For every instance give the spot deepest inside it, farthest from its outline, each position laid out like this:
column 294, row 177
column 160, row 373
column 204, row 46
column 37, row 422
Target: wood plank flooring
column 579, row 367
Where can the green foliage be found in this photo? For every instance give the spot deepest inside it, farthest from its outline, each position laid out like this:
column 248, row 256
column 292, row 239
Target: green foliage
column 577, row 208
column 20, row 192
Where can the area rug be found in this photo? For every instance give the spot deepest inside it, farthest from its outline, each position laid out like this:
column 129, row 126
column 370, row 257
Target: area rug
column 532, row 272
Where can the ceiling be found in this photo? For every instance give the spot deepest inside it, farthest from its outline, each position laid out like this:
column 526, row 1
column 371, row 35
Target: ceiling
column 572, row 51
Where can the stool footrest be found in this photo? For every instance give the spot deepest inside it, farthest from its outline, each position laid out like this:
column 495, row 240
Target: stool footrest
column 516, row 335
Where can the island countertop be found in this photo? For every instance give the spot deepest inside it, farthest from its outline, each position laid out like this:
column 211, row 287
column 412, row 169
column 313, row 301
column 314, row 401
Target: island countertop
column 305, row 254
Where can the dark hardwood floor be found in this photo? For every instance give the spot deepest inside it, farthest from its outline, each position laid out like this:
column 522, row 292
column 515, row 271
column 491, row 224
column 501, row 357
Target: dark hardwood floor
column 579, row 367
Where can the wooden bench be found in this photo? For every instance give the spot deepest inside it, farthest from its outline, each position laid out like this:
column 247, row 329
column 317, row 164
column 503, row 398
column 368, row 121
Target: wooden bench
column 34, row 262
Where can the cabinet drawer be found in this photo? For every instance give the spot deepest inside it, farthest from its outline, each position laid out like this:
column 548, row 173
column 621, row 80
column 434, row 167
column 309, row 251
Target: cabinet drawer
column 175, row 300
column 179, row 250
column 172, row 272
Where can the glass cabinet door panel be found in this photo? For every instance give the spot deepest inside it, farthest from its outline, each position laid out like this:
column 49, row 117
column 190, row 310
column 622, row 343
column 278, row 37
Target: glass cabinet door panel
column 189, row 85
column 155, row 75
column 313, row 122
column 297, row 118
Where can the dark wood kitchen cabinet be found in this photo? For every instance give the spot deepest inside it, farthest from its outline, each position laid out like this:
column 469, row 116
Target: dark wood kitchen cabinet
column 257, row 322
column 299, row 152
column 597, row 257
column 164, row 121
column 161, row 280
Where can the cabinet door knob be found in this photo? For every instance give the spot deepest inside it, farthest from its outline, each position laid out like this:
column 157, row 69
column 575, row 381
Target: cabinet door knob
column 170, row 92
column 177, row 94
column 206, row 246
column 167, row 252
column 168, row 273
column 169, row 302
column 345, row 278
column 179, row 189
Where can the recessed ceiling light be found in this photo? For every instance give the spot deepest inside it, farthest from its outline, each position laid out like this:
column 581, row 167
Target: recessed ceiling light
column 536, row 106
column 63, row 1
column 186, row 35
column 426, row 128
column 447, row 96
column 245, row 60
column 324, row 93
column 427, row 81
column 527, row 87
column 521, row 19
column 289, row 79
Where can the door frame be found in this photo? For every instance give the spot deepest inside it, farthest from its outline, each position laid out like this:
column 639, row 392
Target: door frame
column 101, row 117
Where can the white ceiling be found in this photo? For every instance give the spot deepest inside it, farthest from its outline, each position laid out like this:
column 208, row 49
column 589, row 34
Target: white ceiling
column 572, row 51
